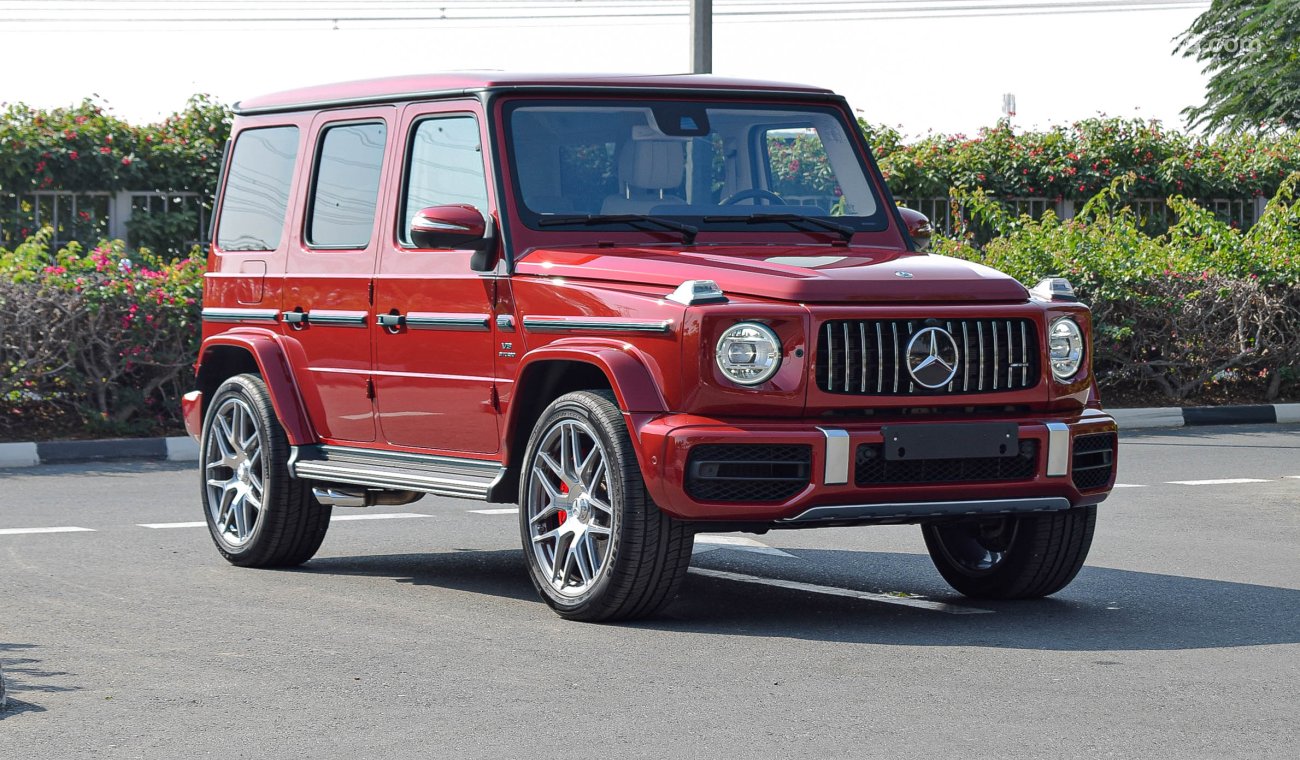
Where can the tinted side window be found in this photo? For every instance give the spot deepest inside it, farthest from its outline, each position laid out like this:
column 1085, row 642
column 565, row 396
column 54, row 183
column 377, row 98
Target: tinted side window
column 257, row 189
column 347, row 186
column 446, row 166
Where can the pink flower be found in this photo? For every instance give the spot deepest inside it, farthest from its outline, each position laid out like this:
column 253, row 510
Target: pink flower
column 72, row 155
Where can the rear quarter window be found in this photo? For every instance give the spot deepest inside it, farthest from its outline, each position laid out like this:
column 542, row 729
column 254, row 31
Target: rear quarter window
column 256, row 197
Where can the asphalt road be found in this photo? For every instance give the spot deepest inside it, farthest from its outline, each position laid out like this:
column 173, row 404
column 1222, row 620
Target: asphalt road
column 421, row 637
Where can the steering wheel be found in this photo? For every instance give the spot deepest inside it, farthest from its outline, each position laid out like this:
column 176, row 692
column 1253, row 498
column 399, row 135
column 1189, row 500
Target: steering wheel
column 753, row 192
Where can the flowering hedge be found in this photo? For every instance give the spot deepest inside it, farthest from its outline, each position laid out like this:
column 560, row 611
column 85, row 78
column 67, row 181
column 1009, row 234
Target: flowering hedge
column 85, row 148
column 100, row 341
column 1202, row 311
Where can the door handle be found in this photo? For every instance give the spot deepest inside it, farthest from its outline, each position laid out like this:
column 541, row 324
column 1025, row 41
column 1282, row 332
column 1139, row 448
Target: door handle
column 295, row 319
column 390, row 322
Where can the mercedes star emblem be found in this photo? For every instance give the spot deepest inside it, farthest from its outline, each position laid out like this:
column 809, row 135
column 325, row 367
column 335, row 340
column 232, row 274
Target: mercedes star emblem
column 903, row 273
column 932, row 357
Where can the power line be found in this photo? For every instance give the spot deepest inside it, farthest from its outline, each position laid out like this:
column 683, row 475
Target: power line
column 615, row 11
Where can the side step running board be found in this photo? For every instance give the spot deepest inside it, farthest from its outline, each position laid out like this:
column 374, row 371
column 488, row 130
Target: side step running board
column 442, row 476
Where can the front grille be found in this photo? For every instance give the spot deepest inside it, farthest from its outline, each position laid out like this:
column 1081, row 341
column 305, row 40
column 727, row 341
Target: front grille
column 749, row 473
column 869, row 357
column 872, row 469
column 1094, row 460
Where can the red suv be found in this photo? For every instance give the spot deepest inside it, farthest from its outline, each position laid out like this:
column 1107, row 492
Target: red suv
column 612, row 301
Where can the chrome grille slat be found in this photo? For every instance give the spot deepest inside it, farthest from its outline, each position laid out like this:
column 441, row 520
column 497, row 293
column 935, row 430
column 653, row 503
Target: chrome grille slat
column 862, row 351
column 830, row 352
column 1010, row 344
column 848, row 358
column 895, row 326
column 1024, row 355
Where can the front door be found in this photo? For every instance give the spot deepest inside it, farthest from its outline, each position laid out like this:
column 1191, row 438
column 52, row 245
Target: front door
column 434, row 372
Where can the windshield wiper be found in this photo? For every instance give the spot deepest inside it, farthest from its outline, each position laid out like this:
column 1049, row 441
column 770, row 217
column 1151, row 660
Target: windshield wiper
column 688, row 232
column 843, row 230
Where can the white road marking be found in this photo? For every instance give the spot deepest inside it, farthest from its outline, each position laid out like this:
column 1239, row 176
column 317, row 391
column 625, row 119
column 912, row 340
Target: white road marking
column 1219, row 482
column 870, row 596
column 388, row 516
column 503, row 511
column 1128, row 485
column 163, row 526
column 23, row 531
column 707, row 542
column 1292, row 477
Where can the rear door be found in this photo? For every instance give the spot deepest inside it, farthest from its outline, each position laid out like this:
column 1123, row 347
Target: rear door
column 331, row 264
column 434, row 373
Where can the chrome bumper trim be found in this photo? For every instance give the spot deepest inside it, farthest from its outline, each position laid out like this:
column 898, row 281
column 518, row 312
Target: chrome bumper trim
column 836, row 471
column 1058, row 449
column 913, row 510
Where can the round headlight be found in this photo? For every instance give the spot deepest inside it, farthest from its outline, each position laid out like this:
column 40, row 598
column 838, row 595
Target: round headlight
column 1065, row 347
column 748, row 353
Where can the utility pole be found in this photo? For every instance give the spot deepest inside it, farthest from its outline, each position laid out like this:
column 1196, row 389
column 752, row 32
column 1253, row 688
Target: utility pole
column 701, row 36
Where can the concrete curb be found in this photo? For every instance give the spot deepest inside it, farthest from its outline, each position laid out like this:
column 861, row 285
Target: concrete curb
column 186, row 449
column 1187, row 416
column 30, row 454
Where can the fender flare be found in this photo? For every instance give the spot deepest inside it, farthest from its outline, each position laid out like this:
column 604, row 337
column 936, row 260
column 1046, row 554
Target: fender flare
column 630, row 375
column 268, row 353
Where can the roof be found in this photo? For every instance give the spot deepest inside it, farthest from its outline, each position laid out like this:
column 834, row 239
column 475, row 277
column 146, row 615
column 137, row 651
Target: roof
column 460, row 82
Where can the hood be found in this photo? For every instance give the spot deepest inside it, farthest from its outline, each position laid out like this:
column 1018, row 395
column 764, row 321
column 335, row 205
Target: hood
column 804, row 274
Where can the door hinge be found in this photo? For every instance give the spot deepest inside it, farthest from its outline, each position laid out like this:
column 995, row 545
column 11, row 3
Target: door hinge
column 496, row 399
column 370, row 293
column 370, row 388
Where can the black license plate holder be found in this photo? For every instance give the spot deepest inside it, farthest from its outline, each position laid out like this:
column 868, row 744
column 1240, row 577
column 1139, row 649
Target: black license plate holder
column 962, row 440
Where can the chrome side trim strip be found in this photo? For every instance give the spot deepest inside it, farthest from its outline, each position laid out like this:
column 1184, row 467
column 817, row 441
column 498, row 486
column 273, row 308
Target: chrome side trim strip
column 1058, row 449
column 505, row 323
column 836, row 472
column 929, row 509
column 336, row 318
column 266, row 316
column 596, row 324
column 416, row 320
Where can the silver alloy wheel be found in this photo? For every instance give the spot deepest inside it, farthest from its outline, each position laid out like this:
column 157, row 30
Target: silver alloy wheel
column 570, row 511
column 233, row 470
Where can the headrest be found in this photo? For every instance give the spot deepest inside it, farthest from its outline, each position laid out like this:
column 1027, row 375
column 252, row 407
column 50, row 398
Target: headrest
column 652, row 164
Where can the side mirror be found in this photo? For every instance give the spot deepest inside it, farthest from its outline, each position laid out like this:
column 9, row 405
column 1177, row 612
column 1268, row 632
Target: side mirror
column 918, row 226
column 457, row 226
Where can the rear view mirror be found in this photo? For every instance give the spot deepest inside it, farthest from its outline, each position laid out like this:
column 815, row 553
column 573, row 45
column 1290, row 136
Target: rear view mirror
column 453, row 226
column 918, row 226
column 458, row 226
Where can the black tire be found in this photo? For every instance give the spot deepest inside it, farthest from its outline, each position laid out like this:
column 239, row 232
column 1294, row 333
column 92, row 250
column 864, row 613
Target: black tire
column 643, row 553
column 1018, row 557
column 288, row 524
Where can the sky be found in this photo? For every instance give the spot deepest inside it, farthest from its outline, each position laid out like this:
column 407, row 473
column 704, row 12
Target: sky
column 920, row 65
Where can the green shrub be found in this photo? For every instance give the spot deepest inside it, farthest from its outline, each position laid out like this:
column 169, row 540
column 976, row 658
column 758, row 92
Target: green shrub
column 1204, row 303
column 106, row 336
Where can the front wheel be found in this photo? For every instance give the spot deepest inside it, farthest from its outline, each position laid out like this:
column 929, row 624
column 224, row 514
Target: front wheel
column 258, row 516
column 596, row 545
column 1015, row 557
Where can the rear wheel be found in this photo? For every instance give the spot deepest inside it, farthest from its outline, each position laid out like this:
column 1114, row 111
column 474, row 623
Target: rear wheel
column 257, row 515
column 1016, row 557
column 597, row 547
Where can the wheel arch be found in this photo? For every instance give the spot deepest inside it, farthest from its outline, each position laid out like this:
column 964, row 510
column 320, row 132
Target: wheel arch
column 224, row 356
column 549, row 373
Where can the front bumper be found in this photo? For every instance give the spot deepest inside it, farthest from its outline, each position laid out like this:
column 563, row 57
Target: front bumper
column 834, row 493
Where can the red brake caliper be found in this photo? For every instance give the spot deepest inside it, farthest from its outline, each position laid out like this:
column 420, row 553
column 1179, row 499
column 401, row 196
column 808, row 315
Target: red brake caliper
column 564, row 491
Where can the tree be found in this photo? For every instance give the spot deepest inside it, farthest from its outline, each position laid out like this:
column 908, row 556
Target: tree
column 1251, row 53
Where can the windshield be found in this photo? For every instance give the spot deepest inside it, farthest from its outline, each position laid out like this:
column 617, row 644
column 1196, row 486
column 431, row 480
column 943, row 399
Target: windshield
column 718, row 166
